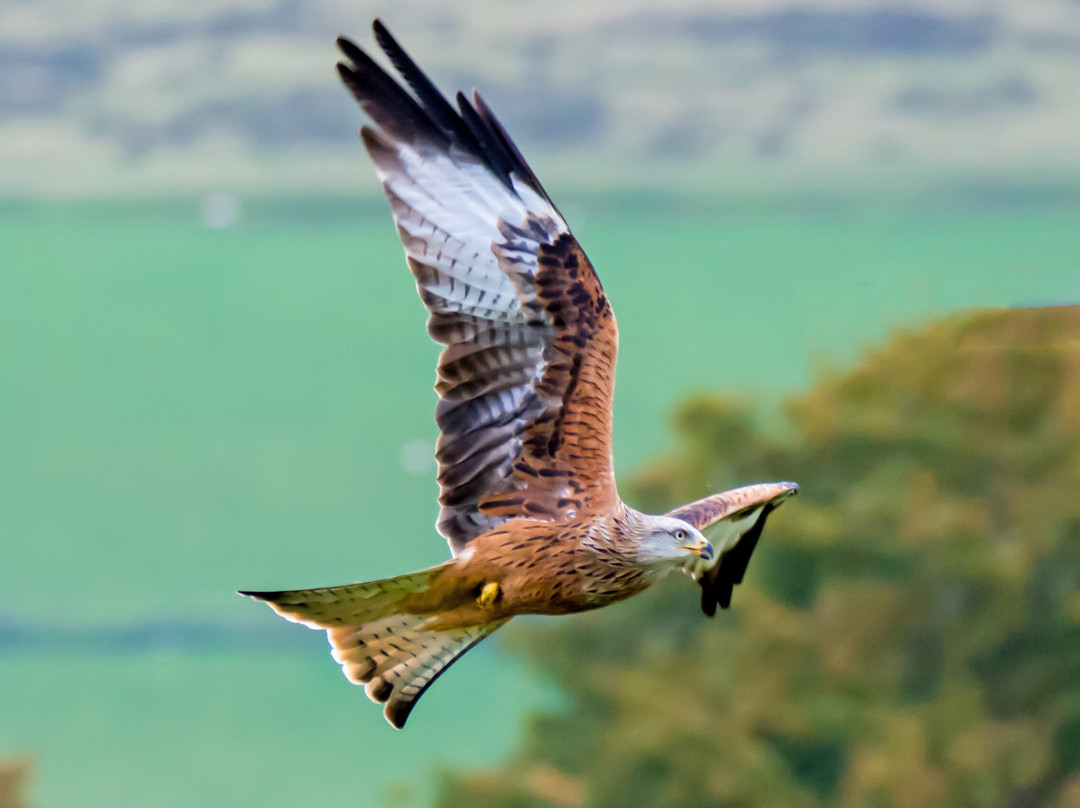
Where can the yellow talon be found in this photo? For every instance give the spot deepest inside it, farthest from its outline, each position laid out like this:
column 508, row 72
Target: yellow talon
column 488, row 595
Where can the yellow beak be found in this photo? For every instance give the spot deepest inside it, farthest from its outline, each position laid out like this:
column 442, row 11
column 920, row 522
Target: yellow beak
column 701, row 548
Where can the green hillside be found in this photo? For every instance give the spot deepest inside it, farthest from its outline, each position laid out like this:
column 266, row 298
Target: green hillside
column 185, row 412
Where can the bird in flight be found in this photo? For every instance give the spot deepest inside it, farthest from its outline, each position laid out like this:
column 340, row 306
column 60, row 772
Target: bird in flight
column 525, row 380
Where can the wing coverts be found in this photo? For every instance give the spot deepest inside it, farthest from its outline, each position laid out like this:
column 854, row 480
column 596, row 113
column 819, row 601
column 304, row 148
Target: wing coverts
column 530, row 339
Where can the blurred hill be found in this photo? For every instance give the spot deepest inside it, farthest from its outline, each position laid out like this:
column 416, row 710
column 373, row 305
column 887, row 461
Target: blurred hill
column 159, row 97
column 909, row 630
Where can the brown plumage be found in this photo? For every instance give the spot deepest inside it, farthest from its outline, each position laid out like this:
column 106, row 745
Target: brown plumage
column 526, row 378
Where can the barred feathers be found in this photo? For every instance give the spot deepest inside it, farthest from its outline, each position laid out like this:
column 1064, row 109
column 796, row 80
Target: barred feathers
column 392, row 653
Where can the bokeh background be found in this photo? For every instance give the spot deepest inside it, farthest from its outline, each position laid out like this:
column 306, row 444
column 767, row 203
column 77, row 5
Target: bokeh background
column 842, row 242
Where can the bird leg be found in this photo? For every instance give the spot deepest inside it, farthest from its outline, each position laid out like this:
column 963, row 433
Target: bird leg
column 488, row 595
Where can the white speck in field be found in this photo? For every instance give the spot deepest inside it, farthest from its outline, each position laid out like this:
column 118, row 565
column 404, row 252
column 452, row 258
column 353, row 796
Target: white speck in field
column 417, row 456
column 220, row 209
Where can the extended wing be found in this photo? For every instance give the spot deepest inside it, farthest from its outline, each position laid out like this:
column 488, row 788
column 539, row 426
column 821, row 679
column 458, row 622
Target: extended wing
column 732, row 521
column 525, row 381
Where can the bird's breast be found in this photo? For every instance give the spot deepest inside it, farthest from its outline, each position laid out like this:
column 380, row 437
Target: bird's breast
column 554, row 569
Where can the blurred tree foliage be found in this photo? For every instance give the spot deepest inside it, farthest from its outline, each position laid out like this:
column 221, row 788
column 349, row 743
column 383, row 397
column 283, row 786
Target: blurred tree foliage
column 14, row 777
column 909, row 631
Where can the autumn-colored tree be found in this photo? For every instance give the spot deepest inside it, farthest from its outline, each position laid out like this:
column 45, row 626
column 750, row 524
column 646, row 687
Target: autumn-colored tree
column 908, row 635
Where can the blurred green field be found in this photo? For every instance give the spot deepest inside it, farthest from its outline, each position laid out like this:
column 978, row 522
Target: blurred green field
column 185, row 412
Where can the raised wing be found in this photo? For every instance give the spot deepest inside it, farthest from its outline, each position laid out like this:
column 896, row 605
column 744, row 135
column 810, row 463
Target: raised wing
column 526, row 378
column 732, row 521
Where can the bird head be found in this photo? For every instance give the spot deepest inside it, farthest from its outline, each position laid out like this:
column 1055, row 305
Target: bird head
column 671, row 543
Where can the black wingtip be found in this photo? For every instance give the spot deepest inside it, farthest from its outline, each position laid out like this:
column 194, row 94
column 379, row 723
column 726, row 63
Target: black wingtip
column 718, row 584
column 383, row 35
column 348, row 47
column 708, row 602
column 426, row 115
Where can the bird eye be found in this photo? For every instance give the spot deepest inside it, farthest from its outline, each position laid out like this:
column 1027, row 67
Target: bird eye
column 680, row 534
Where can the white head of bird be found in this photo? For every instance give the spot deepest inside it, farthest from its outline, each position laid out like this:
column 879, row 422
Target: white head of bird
column 669, row 543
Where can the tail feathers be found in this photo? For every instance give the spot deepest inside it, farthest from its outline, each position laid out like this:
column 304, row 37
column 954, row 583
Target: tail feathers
column 351, row 604
column 398, row 659
column 394, row 654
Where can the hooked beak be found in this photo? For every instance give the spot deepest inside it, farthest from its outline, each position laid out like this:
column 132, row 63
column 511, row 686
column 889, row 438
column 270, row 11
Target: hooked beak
column 700, row 547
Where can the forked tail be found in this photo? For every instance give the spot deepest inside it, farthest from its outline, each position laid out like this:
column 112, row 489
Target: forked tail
column 377, row 645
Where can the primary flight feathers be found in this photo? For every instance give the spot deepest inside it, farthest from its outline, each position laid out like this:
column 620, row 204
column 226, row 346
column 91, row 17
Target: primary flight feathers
column 528, row 501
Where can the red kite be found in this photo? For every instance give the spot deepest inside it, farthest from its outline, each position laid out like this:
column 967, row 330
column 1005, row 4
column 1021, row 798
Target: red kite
column 525, row 383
